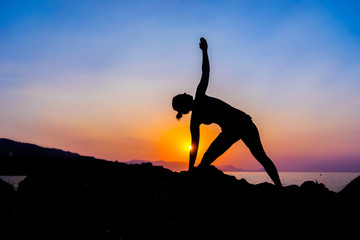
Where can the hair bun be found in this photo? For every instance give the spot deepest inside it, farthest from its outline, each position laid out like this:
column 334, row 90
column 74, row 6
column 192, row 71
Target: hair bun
column 179, row 115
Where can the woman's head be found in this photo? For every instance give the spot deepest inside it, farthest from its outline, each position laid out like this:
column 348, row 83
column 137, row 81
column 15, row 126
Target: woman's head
column 182, row 103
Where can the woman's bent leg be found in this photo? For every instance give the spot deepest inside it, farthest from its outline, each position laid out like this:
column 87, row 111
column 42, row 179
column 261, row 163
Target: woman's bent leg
column 222, row 143
column 253, row 142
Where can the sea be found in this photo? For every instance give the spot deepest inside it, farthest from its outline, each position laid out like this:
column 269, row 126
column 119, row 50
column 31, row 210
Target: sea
column 334, row 181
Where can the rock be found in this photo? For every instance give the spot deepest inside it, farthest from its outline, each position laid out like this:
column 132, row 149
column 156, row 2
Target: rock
column 6, row 189
column 143, row 201
column 210, row 173
column 352, row 189
column 7, row 202
column 311, row 187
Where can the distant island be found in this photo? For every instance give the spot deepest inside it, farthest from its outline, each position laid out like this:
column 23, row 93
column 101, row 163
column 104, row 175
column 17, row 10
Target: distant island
column 181, row 166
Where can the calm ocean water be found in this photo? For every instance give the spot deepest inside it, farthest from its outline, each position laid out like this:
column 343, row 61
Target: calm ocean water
column 334, row 181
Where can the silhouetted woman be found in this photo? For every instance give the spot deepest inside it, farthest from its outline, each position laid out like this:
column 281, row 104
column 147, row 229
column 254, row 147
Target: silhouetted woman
column 235, row 124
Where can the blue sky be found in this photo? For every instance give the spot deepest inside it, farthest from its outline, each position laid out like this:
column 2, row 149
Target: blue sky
column 83, row 75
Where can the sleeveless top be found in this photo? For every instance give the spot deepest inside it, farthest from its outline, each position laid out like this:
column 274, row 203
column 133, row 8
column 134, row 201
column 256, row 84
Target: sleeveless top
column 207, row 110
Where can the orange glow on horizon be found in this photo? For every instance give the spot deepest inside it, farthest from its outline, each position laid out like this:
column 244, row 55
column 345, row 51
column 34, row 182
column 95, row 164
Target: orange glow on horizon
column 175, row 144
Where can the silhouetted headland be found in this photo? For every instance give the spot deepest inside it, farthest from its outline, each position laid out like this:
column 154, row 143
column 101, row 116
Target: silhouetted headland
column 112, row 200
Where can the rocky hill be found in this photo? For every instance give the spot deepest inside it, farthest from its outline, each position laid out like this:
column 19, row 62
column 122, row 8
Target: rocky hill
column 87, row 198
column 119, row 201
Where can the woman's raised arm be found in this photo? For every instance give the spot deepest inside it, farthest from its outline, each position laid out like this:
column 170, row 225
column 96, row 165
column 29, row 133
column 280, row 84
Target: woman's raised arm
column 201, row 89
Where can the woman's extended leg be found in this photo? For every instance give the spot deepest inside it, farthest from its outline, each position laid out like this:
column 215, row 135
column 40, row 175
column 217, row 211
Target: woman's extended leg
column 222, row 143
column 253, row 142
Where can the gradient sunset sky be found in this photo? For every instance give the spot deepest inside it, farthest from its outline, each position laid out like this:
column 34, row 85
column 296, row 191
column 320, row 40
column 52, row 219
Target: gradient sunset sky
column 97, row 77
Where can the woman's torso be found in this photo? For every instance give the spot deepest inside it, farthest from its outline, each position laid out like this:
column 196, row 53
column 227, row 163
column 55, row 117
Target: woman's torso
column 207, row 110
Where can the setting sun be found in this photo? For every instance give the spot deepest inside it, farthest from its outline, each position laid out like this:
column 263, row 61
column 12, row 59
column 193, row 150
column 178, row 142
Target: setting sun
column 175, row 143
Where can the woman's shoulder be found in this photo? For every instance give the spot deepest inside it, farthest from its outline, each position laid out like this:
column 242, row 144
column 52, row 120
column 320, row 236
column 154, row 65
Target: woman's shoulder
column 200, row 101
column 206, row 102
column 203, row 98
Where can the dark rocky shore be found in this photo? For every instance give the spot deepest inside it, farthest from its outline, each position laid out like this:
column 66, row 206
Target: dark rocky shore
column 117, row 201
column 68, row 196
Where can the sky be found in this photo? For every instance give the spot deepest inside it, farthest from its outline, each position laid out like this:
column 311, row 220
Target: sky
column 97, row 77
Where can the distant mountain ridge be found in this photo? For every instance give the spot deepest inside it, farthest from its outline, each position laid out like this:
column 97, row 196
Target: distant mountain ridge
column 18, row 158
column 17, row 155
column 12, row 148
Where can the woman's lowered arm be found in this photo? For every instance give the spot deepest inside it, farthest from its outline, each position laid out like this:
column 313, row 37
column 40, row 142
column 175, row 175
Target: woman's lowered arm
column 195, row 135
column 201, row 89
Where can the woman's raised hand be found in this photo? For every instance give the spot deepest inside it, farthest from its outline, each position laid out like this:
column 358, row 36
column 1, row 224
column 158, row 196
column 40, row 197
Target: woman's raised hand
column 203, row 44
